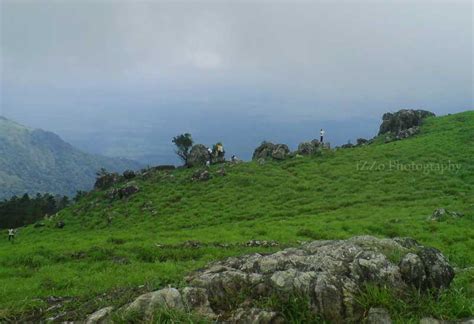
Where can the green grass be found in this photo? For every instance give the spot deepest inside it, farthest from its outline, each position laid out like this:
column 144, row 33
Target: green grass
column 334, row 196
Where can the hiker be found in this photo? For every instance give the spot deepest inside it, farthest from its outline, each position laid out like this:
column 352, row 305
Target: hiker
column 11, row 235
column 220, row 149
column 209, row 152
column 233, row 158
column 322, row 135
column 208, row 163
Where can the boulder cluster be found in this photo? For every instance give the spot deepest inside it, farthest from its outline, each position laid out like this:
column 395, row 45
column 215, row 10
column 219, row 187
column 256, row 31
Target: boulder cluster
column 278, row 152
column 406, row 119
column 330, row 274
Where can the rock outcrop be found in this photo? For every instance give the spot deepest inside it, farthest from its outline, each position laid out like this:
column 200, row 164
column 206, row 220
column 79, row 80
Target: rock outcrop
column 268, row 150
column 329, row 273
column 402, row 120
column 198, row 156
column 441, row 214
column 308, row 148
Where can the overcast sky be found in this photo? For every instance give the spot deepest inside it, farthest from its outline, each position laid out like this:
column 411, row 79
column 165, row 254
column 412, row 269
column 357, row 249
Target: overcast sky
column 70, row 66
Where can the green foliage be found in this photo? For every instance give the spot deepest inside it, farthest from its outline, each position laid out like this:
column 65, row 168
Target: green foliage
column 17, row 212
column 183, row 143
column 364, row 190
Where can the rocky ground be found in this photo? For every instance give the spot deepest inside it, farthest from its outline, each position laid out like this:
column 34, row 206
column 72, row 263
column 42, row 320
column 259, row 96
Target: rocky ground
column 329, row 274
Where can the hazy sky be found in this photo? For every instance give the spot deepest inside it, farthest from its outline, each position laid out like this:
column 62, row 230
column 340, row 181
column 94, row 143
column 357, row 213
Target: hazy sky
column 155, row 68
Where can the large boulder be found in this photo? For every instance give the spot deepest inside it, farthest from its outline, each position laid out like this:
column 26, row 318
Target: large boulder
column 198, row 156
column 308, row 148
column 268, row 150
column 403, row 120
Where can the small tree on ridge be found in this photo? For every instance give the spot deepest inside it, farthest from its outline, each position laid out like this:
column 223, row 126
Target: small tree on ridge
column 183, row 142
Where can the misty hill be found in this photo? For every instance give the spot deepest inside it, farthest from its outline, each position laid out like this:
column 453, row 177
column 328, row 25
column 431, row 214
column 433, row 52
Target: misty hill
column 34, row 160
column 116, row 247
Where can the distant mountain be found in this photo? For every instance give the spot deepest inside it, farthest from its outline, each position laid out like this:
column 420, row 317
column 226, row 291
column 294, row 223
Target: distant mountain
column 34, row 160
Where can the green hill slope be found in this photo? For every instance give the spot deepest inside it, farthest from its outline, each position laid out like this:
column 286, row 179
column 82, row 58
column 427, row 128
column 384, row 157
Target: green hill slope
column 109, row 251
column 34, row 161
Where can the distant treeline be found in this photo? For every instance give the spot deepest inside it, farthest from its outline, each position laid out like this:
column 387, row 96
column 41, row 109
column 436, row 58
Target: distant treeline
column 21, row 211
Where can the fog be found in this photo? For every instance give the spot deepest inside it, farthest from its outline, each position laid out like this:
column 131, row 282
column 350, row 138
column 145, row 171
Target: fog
column 122, row 77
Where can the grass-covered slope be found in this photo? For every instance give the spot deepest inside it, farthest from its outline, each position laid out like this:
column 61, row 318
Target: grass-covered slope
column 109, row 251
column 33, row 160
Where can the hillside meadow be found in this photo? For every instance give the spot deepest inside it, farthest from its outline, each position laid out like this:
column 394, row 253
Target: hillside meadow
column 112, row 250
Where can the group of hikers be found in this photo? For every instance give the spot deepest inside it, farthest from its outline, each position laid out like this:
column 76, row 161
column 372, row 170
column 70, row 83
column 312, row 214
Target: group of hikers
column 217, row 154
column 214, row 155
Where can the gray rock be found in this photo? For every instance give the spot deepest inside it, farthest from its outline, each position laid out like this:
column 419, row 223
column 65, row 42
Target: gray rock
column 201, row 175
column 197, row 301
column 413, row 270
column 280, row 152
column 268, row 150
column 148, row 303
column 198, row 156
column 308, row 148
column 439, row 273
column 378, row 316
column 256, row 316
column 124, row 192
column 441, row 214
column 100, row 316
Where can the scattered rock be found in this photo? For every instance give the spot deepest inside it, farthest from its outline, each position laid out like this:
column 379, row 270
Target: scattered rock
column 402, row 120
column 441, row 214
column 37, row 225
column 192, row 244
column 201, row 175
column 60, row 224
column 99, row 316
column 378, row 316
column 258, row 243
column 268, row 150
column 128, row 190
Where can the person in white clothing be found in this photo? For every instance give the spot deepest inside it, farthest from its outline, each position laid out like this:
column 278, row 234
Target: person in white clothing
column 11, row 235
column 321, row 133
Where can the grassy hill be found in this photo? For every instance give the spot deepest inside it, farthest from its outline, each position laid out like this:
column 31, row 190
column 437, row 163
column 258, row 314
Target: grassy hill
column 33, row 160
column 110, row 251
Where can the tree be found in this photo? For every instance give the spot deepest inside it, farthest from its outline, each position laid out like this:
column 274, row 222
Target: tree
column 183, row 143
